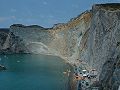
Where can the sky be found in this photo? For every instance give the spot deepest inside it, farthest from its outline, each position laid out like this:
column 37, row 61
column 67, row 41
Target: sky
column 45, row 13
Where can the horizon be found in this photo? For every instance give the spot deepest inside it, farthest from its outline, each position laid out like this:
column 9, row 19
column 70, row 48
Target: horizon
column 44, row 13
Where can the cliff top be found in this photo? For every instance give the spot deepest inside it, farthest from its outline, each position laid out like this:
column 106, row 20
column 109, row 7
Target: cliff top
column 85, row 16
column 108, row 6
column 31, row 26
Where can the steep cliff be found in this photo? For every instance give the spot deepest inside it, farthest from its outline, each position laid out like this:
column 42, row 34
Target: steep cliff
column 3, row 36
column 9, row 43
column 61, row 40
column 104, row 44
column 93, row 38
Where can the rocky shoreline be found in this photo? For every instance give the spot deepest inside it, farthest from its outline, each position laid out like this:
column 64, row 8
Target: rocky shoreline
column 72, row 82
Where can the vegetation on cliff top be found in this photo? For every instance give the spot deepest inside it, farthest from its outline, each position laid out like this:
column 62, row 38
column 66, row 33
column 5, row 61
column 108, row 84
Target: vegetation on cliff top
column 108, row 6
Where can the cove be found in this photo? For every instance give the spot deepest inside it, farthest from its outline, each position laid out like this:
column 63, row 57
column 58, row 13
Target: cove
column 33, row 72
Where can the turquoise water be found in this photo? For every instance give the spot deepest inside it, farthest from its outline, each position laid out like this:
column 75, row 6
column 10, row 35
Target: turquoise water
column 33, row 72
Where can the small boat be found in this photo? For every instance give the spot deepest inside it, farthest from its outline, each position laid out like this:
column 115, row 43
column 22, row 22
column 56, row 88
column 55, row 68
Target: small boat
column 18, row 61
column 64, row 72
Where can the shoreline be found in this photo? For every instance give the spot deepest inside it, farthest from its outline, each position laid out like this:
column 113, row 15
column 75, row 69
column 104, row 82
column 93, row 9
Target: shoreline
column 72, row 82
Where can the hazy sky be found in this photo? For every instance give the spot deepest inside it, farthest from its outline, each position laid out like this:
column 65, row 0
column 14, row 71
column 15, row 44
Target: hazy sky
column 43, row 12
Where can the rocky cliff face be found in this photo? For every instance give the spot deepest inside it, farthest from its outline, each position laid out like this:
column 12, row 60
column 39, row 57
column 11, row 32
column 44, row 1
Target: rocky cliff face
column 9, row 43
column 104, row 44
column 93, row 37
column 3, row 36
column 61, row 40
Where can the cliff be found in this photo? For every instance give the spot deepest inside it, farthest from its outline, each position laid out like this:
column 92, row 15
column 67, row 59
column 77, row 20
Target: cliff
column 93, row 38
column 61, row 40
column 3, row 36
column 104, row 44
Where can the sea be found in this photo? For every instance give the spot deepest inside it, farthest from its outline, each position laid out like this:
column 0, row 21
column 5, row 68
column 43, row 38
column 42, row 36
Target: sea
column 33, row 72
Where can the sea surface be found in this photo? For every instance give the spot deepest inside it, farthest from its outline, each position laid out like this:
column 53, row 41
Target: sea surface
column 33, row 72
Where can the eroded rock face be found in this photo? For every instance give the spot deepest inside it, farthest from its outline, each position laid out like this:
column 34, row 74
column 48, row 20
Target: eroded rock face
column 3, row 36
column 93, row 37
column 9, row 43
column 104, row 44
column 61, row 40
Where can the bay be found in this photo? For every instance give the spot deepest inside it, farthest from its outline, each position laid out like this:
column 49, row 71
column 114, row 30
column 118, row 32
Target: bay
column 33, row 72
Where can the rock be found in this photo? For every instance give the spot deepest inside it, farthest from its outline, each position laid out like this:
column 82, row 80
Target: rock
column 103, row 45
column 2, row 67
